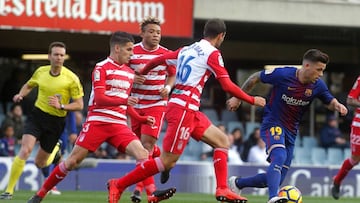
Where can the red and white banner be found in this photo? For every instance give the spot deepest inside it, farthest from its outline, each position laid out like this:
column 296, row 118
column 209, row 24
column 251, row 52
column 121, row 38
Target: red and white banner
column 101, row 16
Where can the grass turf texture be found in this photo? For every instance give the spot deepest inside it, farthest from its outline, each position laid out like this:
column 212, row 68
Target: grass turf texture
column 100, row 197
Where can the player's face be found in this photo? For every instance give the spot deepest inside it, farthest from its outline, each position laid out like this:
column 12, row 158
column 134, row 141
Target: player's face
column 151, row 36
column 57, row 56
column 125, row 52
column 220, row 40
column 315, row 71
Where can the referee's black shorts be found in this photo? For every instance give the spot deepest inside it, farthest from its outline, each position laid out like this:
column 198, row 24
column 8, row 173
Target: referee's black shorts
column 45, row 127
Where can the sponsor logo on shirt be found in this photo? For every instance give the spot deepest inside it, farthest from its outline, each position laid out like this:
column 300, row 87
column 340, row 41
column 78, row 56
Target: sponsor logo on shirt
column 294, row 102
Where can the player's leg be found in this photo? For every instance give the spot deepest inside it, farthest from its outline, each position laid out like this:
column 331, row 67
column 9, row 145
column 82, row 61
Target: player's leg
column 60, row 172
column 136, row 195
column 348, row 164
column 148, row 168
column 87, row 142
column 219, row 141
column 149, row 136
column 27, row 145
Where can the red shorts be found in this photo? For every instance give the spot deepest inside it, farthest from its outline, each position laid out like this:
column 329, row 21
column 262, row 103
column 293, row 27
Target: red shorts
column 144, row 129
column 93, row 134
column 355, row 141
column 182, row 124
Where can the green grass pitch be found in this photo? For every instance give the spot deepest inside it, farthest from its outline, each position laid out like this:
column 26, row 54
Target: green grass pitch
column 101, row 197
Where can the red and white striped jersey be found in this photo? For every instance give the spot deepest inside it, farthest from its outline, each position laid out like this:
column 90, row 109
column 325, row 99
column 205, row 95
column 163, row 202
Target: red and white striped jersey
column 194, row 65
column 148, row 92
column 115, row 81
column 355, row 94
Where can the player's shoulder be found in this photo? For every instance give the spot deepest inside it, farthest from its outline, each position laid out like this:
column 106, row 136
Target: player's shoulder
column 44, row 68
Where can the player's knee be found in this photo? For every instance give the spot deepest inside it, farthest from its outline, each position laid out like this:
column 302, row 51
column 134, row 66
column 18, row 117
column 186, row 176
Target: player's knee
column 278, row 156
column 40, row 163
column 355, row 160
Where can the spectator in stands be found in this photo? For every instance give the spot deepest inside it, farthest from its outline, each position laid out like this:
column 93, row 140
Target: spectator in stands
column 233, row 153
column 7, row 140
column 257, row 153
column 331, row 136
column 238, row 139
column 250, row 142
column 15, row 118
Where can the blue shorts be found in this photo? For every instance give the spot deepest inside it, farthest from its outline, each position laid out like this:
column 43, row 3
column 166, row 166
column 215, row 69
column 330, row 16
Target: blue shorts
column 277, row 136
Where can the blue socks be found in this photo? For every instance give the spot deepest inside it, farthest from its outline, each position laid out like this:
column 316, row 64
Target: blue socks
column 272, row 178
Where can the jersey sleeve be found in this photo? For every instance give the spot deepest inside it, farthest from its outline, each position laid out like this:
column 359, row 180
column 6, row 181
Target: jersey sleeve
column 76, row 88
column 271, row 76
column 99, row 87
column 33, row 81
column 215, row 61
column 324, row 94
column 355, row 91
column 168, row 58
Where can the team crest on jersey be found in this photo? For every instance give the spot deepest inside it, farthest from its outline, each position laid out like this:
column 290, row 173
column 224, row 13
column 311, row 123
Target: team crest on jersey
column 96, row 75
column 221, row 62
column 308, row 92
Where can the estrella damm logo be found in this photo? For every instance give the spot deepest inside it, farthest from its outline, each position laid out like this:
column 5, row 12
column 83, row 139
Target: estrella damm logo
column 308, row 92
column 276, row 132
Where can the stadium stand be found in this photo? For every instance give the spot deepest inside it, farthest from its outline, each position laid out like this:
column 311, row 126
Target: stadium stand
column 318, row 156
column 334, row 156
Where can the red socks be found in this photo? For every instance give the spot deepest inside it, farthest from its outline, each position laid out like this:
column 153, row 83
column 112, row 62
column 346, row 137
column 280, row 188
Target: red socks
column 57, row 175
column 344, row 170
column 220, row 165
column 142, row 171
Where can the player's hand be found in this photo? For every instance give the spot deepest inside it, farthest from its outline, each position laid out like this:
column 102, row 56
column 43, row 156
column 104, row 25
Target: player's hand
column 233, row 103
column 341, row 109
column 54, row 101
column 17, row 98
column 150, row 120
column 259, row 101
column 132, row 101
column 164, row 92
column 139, row 79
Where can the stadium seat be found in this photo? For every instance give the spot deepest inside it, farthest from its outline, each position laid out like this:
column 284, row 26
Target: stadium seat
column 334, row 156
column 302, row 156
column 347, row 153
column 309, row 142
column 211, row 114
column 318, row 156
column 228, row 116
column 192, row 151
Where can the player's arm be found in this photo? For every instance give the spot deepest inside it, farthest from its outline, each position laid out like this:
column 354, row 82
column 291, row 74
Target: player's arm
column 353, row 102
column 75, row 105
column 143, row 119
column 167, row 58
column 169, row 84
column 100, row 97
column 251, row 82
column 354, row 94
column 24, row 91
column 335, row 105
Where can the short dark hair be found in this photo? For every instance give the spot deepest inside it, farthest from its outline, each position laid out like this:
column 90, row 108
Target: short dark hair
column 56, row 44
column 315, row 55
column 213, row 27
column 147, row 21
column 121, row 38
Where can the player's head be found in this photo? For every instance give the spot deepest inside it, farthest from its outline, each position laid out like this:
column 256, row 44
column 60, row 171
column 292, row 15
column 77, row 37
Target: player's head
column 215, row 29
column 314, row 61
column 150, row 32
column 56, row 54
column 121, row 46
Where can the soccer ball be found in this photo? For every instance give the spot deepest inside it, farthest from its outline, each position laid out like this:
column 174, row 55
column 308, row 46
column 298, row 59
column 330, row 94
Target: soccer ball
column 292, row 193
